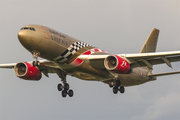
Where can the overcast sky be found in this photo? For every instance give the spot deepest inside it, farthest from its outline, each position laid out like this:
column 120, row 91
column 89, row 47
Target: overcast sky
column 117, row 26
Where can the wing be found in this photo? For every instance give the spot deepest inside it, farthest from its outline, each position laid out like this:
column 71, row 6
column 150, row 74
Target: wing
column 43, row 63
column 10, row 65
column 150, row 59
column 45, row 67
column 141, row 59
column 163, row 74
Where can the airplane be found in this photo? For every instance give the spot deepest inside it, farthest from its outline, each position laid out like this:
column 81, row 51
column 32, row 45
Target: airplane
column 65, row 55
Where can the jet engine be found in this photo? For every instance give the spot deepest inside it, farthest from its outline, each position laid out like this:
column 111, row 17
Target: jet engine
column 27, row 71
column 117, row 64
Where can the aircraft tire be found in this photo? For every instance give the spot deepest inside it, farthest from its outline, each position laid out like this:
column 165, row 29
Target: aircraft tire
column 59, row 87
column 118, row 83
column 111, row 84
column 122, row 89
column 66, row 86
column 64, row 93
column 70, row 93
column 115, row 90
column 35, row 63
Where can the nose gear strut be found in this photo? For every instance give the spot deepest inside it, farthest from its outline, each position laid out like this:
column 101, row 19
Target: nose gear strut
column 35, row 55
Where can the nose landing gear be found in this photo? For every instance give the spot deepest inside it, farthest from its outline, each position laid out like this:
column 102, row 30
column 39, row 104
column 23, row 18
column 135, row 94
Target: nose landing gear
column 35, row 55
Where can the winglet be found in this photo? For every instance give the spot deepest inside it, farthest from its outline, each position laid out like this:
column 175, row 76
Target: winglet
column 151, row 42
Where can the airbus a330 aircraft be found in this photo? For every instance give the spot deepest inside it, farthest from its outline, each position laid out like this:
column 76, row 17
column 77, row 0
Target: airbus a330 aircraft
column 65, row 55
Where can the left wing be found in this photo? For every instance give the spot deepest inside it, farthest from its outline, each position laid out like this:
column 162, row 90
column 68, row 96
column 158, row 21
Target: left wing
column 150, row 59
column 163, row 74
column 141, row 59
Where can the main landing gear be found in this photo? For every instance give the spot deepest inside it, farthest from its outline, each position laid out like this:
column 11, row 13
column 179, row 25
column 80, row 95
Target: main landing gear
column 65, row 90
column 116, row 85
column 65, row 87
column 35, row 55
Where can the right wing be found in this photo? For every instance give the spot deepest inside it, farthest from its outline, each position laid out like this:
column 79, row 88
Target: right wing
column 43, row 63
column 45, row 67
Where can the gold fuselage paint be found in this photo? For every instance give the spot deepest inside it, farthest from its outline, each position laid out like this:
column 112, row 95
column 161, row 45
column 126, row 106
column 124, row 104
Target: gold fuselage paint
column 64, row 50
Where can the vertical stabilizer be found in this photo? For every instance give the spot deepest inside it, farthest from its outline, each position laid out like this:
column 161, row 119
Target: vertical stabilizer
column 150, row 45
column 151, row 42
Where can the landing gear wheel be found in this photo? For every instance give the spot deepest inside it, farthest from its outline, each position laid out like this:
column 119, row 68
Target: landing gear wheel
column 122, row 89
column 64, row 93
column 70, row 93
column 115, row 90
column 60, row 87
column 36, row 63
column 117, row 83
column 111, row 84
column 66, row 86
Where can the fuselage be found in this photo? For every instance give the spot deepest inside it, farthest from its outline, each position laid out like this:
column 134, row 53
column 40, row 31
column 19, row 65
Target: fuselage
column 64, row 50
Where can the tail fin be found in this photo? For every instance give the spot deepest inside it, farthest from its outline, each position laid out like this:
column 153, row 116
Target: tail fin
column 151, row 42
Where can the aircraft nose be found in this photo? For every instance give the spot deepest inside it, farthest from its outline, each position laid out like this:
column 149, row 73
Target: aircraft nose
column 24, row 38
column 21, row 36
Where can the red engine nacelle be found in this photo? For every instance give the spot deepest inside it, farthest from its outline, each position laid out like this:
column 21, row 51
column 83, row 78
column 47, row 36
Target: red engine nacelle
column 117, row 64
column 27, row 71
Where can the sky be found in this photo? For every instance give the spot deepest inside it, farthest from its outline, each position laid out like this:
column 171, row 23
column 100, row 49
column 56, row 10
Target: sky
column 117, row 26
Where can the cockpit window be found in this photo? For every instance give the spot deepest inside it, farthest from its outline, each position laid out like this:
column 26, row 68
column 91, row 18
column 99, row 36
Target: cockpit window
column 26, row 28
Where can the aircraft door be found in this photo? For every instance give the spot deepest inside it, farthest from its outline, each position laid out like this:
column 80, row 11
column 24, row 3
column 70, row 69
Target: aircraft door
column 45, row 31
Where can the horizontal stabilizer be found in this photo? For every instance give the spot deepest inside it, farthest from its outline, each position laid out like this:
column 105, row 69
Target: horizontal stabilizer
column 163, row 74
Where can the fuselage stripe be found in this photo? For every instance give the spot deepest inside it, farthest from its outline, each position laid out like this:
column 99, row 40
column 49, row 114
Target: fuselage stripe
column 71, row 50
